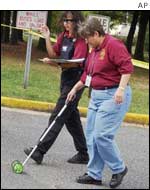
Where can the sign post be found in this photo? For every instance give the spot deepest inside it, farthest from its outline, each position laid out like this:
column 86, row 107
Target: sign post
column 30, row 20
column 28, row 59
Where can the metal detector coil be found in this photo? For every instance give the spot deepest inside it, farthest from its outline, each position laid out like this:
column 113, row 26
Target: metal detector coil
column 17, row 167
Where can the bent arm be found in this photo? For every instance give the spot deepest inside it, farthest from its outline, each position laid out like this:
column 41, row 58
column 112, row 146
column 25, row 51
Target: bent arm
column 119, row 94
column 46, row 33
column 78, row 86
column 124, row 81
column 49, row 47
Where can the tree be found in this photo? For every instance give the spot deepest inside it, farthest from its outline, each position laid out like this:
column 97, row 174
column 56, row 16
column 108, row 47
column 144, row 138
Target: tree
column 130, row 36
column 6, row 30
column 2, row 28
column 139, row 51
column 20, row 35
column 14, row 32
column 16, row 35
column 55, row 27
column 147, row 39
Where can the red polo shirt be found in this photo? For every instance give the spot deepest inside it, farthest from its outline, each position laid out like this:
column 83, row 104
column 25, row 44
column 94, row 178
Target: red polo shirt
column 107, row 63
column 80, row 45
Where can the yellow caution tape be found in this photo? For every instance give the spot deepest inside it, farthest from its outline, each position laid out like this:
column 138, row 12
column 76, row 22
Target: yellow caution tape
column 13, row 27
column 28, row 30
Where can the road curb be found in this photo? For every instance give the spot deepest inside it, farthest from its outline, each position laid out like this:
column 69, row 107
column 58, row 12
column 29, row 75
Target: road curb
column 48, row 107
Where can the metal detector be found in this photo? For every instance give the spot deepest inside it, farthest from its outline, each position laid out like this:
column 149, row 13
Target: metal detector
column 17, row 166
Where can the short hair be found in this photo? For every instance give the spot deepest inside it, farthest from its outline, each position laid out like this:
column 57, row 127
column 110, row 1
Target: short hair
column 89, row 27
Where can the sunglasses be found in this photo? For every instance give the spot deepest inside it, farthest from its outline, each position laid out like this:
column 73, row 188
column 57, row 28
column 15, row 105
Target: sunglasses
column 69, row 20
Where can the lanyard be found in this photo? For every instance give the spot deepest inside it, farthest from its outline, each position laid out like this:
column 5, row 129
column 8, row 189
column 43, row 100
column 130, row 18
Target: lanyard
column 91, row 66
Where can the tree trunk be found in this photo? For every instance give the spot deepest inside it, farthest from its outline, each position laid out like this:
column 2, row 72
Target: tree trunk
column 42, row 44
column 132, row 31
column 139, row 51
column 2, row 22
column 20, row 35
column 14, row 32
column 6, row 30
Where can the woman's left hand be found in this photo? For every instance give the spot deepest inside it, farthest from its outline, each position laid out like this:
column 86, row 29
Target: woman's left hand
column 119, row 94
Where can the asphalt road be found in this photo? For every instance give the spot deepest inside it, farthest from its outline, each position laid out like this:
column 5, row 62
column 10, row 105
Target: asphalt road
column 20, row 129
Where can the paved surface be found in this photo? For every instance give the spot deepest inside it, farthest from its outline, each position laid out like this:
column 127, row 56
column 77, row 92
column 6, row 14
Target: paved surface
column 22, row 129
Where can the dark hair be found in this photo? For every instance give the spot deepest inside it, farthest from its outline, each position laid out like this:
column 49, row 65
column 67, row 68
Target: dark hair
column 89, row 27
column 77, row 17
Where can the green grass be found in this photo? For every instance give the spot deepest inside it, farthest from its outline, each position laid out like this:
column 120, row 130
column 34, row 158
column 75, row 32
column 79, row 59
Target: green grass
column 140, row 90
column 44, row 83
column 40, row 81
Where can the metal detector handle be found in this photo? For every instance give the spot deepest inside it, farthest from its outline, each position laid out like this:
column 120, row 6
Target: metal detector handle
column 62, row 110
column 48, row 129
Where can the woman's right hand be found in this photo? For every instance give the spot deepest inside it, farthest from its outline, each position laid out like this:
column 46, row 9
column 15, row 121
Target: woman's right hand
column 45, row 31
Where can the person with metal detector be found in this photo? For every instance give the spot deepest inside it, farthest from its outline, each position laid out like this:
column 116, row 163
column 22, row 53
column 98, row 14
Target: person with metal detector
column 68, row 46
column 107, row 72
column 16, row 165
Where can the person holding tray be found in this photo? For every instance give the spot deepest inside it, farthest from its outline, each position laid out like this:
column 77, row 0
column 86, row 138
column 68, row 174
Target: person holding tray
column 69, row 46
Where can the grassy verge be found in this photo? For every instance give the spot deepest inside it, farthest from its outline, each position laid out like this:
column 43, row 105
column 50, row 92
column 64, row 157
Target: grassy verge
column 44, row 83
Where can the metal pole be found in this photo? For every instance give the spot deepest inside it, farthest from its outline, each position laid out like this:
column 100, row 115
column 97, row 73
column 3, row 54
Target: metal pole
column 28, row 59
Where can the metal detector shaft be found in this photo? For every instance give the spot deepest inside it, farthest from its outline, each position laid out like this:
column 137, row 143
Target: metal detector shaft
column 48, row 129
column 61, row 111
column 30, row 155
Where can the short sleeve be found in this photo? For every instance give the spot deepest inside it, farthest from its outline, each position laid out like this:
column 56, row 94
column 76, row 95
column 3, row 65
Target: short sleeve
column 120, row 57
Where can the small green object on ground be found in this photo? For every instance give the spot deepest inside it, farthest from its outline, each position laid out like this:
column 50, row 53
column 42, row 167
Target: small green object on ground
column 17, row 167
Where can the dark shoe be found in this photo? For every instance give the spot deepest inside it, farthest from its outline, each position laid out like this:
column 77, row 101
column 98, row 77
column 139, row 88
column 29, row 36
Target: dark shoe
column 85, row 179
column 79, row 158
column 117, row 178
column 37, row 156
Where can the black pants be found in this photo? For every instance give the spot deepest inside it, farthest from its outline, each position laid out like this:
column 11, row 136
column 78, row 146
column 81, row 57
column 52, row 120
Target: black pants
column 70, row 117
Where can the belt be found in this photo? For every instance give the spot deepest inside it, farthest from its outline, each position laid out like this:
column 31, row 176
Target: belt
column 108, row 87
column 72, row 69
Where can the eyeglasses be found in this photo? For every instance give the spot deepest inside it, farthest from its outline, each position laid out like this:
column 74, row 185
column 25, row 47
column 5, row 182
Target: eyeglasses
column 69, row 20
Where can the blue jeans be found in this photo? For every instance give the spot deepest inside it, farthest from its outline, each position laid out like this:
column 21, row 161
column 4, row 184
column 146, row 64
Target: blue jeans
column 103, row 120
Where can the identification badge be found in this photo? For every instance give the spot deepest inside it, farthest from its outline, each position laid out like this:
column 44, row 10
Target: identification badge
column 88, row 81
column 64, row 48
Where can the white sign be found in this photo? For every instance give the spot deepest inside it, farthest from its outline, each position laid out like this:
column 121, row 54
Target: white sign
column 105, row 21
column 31, row 19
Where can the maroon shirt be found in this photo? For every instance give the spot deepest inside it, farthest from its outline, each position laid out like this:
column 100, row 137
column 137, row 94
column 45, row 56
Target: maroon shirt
column 107, row 63
column 81, row 47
